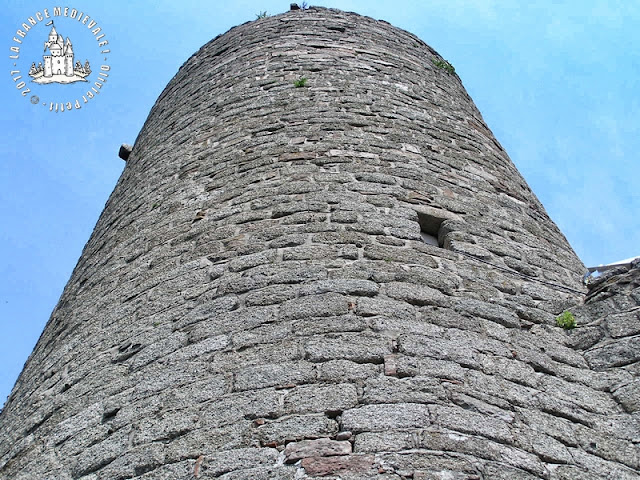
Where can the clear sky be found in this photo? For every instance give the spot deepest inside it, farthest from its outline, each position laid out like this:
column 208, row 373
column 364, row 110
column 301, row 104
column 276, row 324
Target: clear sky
column 559, row 85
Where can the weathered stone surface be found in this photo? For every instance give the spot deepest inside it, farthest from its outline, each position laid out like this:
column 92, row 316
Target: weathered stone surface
column 257, row 296
column 384, row 417
column 624, row 324
column 314, row 306
column 273, row 375
column 623, row 352
column 322, row 447
column 296, row 427
column 323, row 466
column 628, row 396
column 414, row 294
column 321, row 398
column 225, row 461
column 388, row 389
column 359, row 348
column 425, row 463
column 261, row 473
column 335, row 371
column 470, row 422
column 378, row 306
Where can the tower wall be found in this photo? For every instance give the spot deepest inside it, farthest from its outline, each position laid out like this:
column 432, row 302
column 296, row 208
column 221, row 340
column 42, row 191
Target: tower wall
column 257, row 300
column 47, row 66
column 68, row 65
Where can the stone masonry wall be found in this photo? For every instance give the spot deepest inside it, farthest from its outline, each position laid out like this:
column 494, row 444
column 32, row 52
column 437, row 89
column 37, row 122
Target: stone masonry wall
column 257, row 300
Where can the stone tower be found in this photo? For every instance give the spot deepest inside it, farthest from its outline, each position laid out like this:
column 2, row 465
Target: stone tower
column 342, row 279
column 68, row 58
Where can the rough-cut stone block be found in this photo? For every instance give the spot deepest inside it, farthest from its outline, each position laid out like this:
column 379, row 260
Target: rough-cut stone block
column 359, row 348
column 225, row 461
column 620, row 353
column 206, row 441
column 407, row 463
column 446, row 282
column 345, row 287
column 323, row 466
column 490, row 311
column 100, row 454
column 261, row 473
column 400, row 255
column 629, row 396
column 585, row 397
column 510, row 369
column 500, row 471
column 269, row 334
column 336, row 371
column 415, row 294
column 380, row 306
column 385, row 417
column 273, row 375
column 296, row 427
column 230, row 361
column 408, row 366
column 585, row 337
column 86, row 418
column 209, row 310
column 272, row 295
column 249, row 261
column 200, row 349
column 285, row 157
column 470, row 422
column 314, row 306
column 616, row 450
column 623, row 324
column 321, row 398
column 322, row 447
column 457, row 350
column 385, row 389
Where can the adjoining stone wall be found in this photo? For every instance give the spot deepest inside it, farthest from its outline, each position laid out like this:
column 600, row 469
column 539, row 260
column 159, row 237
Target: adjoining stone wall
column 610, row 338
column 257, row 300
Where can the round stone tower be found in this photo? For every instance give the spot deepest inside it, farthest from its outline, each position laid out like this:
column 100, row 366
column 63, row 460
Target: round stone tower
column 319, row 263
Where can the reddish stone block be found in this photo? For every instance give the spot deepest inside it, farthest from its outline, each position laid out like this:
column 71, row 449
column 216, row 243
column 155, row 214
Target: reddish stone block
column 322, row 447
column 390, row 365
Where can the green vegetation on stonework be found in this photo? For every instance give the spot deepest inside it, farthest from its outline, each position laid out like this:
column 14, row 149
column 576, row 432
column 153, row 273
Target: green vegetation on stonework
column 261, row 15
column 444, row 65
column 566, row 320
column 301, row 82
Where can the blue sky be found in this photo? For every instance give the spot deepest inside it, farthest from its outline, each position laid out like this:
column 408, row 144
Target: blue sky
column 558, row 84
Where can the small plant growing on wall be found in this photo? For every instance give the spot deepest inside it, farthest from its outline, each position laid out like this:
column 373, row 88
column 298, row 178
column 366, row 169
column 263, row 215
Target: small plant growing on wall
column 301, row 82
column 566, row 320
column 444, row 65
column 261, row 15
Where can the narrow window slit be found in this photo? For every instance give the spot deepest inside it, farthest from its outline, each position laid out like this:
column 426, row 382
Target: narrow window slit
column 430, row 228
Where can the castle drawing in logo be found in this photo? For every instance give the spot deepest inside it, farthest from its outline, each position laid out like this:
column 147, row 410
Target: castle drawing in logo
column 58, row 62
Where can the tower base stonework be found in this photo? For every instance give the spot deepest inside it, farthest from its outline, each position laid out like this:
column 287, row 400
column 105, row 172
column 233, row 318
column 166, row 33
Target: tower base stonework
column 343, row 278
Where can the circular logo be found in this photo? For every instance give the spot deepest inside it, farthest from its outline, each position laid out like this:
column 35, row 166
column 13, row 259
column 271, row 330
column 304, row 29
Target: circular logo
column 59, row 59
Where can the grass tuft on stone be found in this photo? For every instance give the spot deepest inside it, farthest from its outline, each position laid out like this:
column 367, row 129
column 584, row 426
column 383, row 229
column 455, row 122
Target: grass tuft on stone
column 301, row 82
column 443, row 65
column 566, row 320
